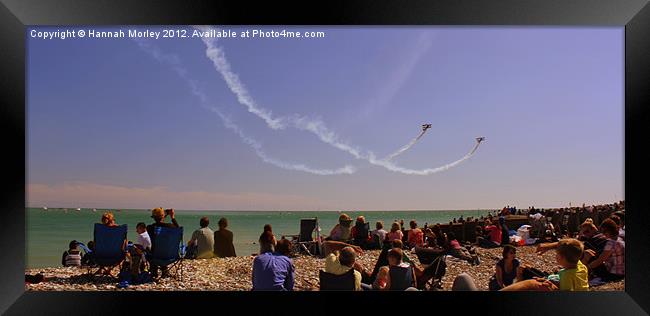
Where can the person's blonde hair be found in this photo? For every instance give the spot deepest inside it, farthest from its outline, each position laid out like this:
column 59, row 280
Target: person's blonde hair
column 395, row 227
column 107, row 218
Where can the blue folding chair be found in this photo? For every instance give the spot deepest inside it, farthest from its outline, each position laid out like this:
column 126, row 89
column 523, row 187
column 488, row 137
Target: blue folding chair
column 109, row 249
column 167, row 249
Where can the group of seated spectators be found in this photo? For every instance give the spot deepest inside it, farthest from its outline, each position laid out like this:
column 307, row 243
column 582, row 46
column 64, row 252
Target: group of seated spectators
column 204, row 242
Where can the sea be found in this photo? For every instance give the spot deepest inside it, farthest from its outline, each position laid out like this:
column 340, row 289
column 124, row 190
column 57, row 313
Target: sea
column 48, row 232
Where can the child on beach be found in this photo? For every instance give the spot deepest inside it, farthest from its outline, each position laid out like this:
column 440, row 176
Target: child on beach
column 72, row 257
column 141, row 246
column 573, row 276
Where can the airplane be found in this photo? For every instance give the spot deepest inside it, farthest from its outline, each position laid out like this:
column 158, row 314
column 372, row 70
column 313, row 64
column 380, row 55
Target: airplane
column 426, row 127
column 480, row 139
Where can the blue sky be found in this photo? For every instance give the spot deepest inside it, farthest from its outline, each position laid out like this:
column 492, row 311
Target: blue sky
column 110, row 126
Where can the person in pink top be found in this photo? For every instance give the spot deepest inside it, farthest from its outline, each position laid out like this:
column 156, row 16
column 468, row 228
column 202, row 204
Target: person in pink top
column 395, row 232
column 415, row 235
column 493, row 233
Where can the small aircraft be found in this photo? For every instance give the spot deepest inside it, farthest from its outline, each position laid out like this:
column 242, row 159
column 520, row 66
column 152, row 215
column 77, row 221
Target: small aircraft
column 480, row 139
column 426, row 127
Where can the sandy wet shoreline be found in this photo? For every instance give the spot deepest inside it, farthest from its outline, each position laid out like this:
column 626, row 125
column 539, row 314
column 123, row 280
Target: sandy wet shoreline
column 234, row 274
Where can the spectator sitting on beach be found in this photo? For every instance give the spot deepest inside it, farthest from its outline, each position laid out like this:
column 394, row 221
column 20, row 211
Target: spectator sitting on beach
column 108, row 219
column 621, row 229
column 88, row 257
column 202, row 240
column 330, row 246
column 617, row 221
column 415, row 235
column 158, row 215
column 340, row 262
column 593, row 242
column 505, row 238
column 397, row 276
column 274, row 271
column 507, row 269
column 573, row 276
column 141, row 246
column 395, row 232
column 342, row 230
column 493, row 239
column 379, row 235
column 264, row 236
column 223, row 240
column 72, row 256
column 460, row 252
column 610, row 265
column 360, row 233
column 440, row 238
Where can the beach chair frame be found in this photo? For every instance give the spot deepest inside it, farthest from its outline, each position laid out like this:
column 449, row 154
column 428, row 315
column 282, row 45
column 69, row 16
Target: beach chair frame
column 176, row 264
column 106, row 269
column 299, row 242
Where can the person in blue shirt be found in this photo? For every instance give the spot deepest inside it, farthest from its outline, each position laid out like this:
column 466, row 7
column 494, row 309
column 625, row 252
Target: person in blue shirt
column 273, row 271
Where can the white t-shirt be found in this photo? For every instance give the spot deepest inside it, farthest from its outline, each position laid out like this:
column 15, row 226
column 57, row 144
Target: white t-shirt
column 143, row 240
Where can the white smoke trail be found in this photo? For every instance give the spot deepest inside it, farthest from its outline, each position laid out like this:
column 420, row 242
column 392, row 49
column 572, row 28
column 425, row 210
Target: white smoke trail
column 317, row 127
column 174, row 62
column 422, row 172
column 406, row 147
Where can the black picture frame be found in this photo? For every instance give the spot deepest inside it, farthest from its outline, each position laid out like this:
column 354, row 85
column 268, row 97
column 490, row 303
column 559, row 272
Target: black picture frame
column 16, row 15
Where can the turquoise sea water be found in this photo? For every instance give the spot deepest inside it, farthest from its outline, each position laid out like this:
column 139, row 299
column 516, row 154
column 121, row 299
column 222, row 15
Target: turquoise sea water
column 49, row 232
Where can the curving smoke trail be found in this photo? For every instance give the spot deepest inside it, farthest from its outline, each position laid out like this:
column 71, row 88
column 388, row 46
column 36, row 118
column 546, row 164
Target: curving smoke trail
column 315, row 126
column 406, row 147
column 174, row 62
column 421, row 172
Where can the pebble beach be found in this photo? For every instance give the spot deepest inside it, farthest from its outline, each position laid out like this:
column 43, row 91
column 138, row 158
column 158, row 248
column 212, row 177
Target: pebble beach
column 234, row 274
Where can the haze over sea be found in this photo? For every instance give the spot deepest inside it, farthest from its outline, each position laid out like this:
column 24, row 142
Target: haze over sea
column 49, row 232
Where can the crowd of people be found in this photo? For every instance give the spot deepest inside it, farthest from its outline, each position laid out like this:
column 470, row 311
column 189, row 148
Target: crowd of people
column 593, row 255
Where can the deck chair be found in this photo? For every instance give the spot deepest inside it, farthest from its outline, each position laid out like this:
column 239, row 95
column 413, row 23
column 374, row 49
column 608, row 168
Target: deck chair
column 304, row 242
column 333, row 282
column 434, row 262
column 168, row 250
column 109, row 251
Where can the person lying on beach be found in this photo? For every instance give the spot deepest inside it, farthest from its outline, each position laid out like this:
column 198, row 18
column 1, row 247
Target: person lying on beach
column 203, row 240
column 610, row 265
column 223, row 240
column 397, row 275
column 72, row 256
column 460, row 252
column 159, row 215
column 341, row 231
column 274, row 271
column 340, row 262
column 507, row 270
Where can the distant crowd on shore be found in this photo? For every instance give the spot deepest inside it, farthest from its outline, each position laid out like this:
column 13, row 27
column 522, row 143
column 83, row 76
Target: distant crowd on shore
column 593, row 254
